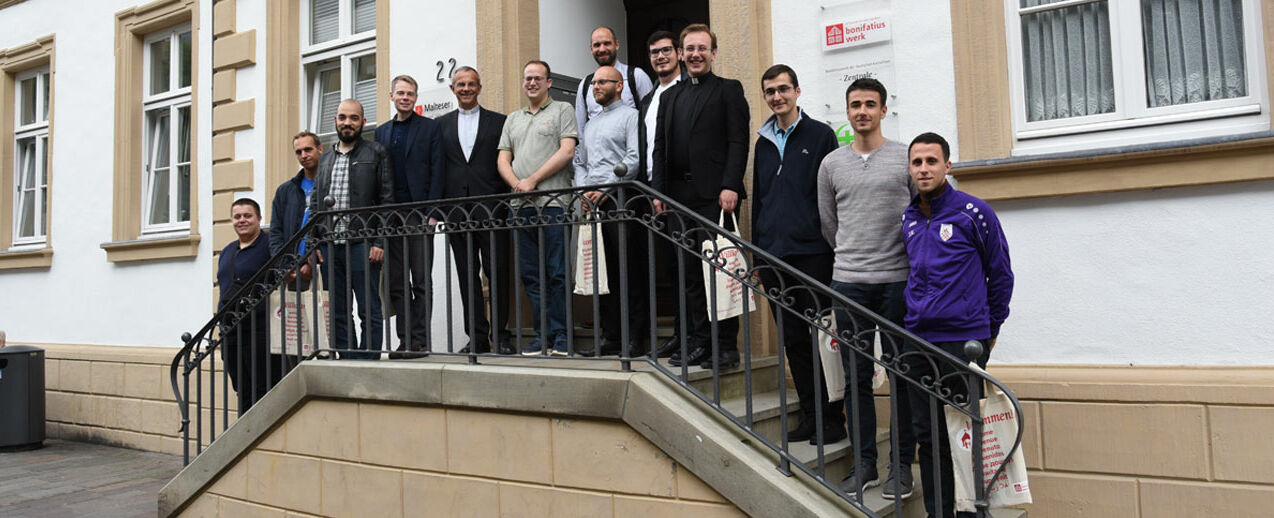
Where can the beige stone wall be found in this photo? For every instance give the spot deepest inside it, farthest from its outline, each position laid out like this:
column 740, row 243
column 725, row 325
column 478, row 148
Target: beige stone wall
column 341, row 458
column 120, row 396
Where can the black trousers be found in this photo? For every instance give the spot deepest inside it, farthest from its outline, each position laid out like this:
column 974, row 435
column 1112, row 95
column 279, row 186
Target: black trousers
column 410, row 285
column 698, row 322
column 252, row 370
column 631, row 285
column 480, row 253
column 925, row 428
column 798, row 340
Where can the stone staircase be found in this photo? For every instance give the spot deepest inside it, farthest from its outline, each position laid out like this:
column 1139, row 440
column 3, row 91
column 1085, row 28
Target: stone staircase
column 837, row 457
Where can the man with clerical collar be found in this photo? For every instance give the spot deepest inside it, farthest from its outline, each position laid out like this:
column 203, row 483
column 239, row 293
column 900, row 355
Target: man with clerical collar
column 609, row 154
column 470, row 136
column 701, row 153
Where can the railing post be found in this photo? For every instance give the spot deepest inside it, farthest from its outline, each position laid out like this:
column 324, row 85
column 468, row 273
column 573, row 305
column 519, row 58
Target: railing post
column 973, row 351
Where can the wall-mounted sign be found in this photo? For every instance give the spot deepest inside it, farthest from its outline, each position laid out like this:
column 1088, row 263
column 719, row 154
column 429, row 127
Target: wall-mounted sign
column 840, row 35
column 433, row 102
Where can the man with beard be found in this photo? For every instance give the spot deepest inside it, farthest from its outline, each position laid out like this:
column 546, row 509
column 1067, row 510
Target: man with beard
column 415, row 151
column 611, row 140
column 536, row 146
column 470, row 136
column 292, row 200
column 701, row 152
column 356, row 173
column 605, row 51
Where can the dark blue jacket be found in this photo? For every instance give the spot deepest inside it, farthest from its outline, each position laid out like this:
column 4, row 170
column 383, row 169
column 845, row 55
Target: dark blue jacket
column 961, row 281
column 422, row 167
column 288, row 209
column 785, row 190
column 234, row 268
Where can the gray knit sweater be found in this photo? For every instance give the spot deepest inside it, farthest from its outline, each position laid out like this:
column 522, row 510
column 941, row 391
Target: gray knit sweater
column 860, row 205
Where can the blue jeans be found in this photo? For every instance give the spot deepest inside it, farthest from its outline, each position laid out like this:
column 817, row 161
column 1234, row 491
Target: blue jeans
column 551, row 240
column 364, row 282
column 887, row 300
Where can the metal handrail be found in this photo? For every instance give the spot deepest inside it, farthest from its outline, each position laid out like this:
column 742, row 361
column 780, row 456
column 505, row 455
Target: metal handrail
column 636, row 204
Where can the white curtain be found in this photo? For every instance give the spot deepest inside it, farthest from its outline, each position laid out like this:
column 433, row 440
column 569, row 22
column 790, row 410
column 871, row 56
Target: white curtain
column 1066, row 57
column 1194, row 50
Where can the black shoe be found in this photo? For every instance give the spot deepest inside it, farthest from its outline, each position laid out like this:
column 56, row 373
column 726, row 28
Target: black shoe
column 482, row 348
column 726, row 360
column 695, row 356
column 803, row 431
column 506, row 348
column 832, row 432
column 669, row 347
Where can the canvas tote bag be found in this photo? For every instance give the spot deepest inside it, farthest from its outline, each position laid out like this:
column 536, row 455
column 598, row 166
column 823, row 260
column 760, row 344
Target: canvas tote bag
column 729, row 292
column 999, row 428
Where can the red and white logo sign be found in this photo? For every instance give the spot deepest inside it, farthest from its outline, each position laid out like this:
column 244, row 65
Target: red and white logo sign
column 835, row 34
column 966, row 440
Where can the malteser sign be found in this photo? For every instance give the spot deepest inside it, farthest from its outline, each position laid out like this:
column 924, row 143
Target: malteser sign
column 854, row 33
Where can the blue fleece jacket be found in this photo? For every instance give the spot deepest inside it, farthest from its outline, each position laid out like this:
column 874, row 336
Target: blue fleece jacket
column 785, row 188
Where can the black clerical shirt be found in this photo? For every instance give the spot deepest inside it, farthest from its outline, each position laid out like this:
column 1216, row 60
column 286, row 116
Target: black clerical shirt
column 694, row 91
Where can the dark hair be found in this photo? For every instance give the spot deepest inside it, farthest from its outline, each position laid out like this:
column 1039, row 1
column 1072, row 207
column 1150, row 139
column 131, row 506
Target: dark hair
column 548, row 72
column 867, row 83
column 249, row 202
column 659, row 35
column 777, row 70
column 310, row 135
column 932, row 138
column 698, row 27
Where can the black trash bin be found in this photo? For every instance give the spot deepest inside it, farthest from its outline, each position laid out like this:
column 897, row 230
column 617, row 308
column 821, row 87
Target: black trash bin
column 21, row 398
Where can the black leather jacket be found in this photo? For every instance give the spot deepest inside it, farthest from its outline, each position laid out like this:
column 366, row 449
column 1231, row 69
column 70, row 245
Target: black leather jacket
column 371, row 182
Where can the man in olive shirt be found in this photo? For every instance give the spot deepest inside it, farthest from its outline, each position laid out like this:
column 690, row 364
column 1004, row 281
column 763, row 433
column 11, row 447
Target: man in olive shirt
column 536, row 148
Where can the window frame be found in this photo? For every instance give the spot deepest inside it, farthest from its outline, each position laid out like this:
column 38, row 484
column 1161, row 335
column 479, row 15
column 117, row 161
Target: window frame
column 1133, row 120
column 38, row 133
column 172, row 100
column 340, row 52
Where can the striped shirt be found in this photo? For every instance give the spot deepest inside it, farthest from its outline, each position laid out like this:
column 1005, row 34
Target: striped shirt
column 340, row 188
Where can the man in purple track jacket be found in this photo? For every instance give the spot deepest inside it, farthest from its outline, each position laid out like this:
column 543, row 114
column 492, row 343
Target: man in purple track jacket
column 958, row 289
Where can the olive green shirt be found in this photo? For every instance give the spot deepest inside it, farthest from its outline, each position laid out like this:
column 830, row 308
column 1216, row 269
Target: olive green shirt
column 533, row 138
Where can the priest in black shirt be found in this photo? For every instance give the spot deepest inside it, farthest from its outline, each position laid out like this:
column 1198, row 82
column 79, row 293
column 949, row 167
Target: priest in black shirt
column 701, row 152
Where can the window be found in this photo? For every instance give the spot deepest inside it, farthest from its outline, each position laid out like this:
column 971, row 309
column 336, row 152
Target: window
column 166, row 131
column 31, row 145
column 338, row 56
column 1088, row 72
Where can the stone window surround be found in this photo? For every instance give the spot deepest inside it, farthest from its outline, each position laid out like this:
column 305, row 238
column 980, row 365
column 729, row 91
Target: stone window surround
column 132, row 25
column 13, row 61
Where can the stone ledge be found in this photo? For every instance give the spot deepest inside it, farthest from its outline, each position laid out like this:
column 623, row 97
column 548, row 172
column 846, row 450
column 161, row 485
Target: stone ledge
column 1117, row 383
column 152, row 248
column 26, row 258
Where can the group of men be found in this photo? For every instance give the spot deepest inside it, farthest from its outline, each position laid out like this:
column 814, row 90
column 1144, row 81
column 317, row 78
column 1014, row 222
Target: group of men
column 830, row 212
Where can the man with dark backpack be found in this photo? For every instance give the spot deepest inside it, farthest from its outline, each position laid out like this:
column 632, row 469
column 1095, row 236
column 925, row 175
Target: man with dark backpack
column 605, row 51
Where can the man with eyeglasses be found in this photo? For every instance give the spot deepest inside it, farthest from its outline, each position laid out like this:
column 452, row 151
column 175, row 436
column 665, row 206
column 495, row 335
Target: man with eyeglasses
column 536, row 148
column 789, row 148
column 611, row 141
column 701, row 152
column 605, row 49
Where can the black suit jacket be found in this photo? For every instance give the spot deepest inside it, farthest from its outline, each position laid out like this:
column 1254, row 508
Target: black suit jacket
column 720, row 127
column 477, row 175
column 423, row 166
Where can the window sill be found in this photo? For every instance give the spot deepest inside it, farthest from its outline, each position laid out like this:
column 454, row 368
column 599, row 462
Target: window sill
column 1193, row 162
column 152, row 249
column 26, row 258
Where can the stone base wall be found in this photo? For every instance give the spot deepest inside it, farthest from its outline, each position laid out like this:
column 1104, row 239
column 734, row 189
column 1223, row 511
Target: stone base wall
column 344, row 458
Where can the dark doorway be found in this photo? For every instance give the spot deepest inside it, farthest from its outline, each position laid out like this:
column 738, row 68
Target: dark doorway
column 648, row 16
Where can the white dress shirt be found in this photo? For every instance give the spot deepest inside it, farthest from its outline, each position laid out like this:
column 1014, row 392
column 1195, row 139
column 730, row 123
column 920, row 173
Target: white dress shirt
column 652, row 118
column 467, row 128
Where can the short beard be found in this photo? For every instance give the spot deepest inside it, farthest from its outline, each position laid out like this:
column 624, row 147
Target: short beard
column 601, row 63
column 348, row 140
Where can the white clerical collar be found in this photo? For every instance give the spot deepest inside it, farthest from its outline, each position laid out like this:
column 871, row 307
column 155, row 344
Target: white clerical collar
column 476, row 108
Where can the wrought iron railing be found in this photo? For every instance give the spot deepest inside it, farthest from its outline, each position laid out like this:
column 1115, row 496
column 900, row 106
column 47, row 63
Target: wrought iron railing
column 644, row 220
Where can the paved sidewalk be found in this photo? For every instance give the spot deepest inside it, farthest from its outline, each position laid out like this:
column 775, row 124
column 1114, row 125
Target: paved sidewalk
column 80, row 479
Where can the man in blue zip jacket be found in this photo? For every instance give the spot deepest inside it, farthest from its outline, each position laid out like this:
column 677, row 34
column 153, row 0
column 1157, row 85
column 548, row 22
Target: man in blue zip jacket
column 291, row 206
column 789, row 149
column 958, row 290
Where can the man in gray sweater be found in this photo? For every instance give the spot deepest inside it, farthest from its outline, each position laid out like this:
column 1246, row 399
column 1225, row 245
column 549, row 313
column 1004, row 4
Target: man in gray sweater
column 863, row 189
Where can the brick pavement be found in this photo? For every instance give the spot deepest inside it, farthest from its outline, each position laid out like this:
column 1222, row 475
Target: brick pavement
column 80, row 479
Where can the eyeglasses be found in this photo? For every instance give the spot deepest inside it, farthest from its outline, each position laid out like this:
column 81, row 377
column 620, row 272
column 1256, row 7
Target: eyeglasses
column 781, row 89
column 604, row 82
column 662, row 50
